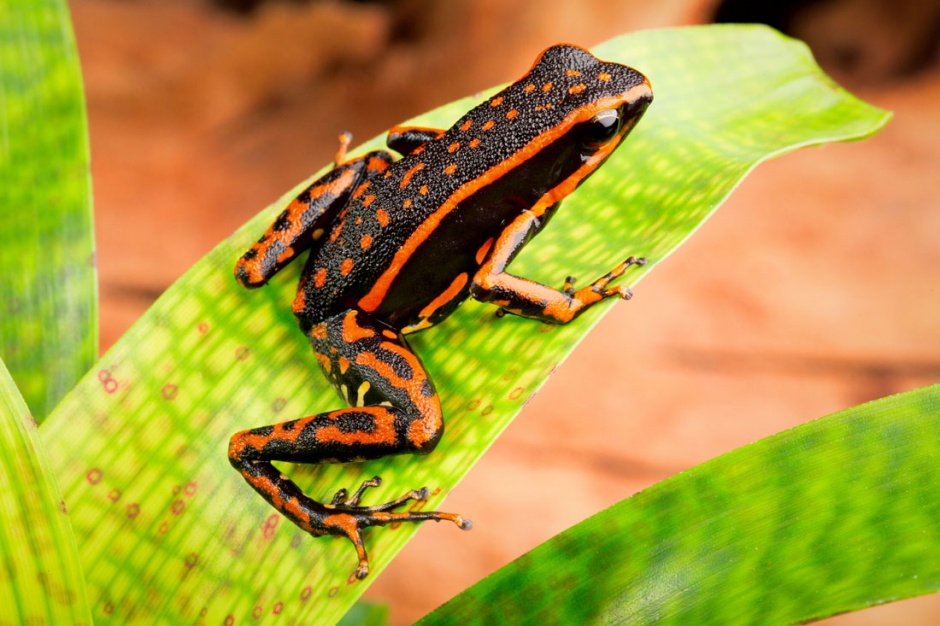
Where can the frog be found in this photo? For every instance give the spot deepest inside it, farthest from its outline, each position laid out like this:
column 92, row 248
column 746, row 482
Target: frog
column 395, row 245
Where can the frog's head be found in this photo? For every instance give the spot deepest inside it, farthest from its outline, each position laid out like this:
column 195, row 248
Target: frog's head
column 582, row 108
column 552, row 128
column 594, row 100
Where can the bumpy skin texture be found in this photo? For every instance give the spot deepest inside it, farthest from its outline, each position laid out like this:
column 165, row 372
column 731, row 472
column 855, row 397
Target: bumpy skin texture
column 396, row 246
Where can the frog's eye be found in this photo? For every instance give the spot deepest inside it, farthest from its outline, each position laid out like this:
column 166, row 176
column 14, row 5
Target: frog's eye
column 600, row 129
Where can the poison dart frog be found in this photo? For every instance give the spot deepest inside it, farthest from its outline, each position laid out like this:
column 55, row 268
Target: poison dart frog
column 395, row 246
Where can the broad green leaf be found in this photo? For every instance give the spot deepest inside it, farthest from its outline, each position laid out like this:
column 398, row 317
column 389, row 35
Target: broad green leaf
column 48, row 297
column 366, row 614
column 170, row 531
column 831, row 516
column 40, row 573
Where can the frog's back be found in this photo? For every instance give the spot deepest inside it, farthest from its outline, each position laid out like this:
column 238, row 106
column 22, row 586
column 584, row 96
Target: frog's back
column 411, row 231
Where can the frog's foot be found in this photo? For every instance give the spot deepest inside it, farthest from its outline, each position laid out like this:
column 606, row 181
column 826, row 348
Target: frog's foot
column 349, row 518
column 342, row 500
column 599, row 286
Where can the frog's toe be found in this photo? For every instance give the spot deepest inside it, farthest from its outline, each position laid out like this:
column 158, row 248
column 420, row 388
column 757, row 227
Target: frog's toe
column 340, row 497
column 343, row 500
column 624, row 292
column 568, row 287
column 621, row 269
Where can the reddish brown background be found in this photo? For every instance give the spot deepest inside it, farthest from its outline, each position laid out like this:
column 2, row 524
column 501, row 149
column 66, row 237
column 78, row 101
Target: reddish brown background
column 813, row 289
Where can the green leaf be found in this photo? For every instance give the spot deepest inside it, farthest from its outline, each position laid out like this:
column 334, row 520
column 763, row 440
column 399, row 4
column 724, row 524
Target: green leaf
column 40, row 574
column 366, row 614
column 169, row 530
column 831, row 516
column 48, row 297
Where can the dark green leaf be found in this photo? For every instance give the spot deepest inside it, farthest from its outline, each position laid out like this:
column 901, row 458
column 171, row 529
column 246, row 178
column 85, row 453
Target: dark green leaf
column 365, row 614
column 834, row 515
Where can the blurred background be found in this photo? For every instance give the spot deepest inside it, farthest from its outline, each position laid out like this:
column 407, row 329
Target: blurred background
column 813, row 289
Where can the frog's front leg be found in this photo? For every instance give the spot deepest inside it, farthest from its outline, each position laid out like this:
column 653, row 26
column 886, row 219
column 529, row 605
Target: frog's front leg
column 528, row 298
column 395, row 411
column 406, row 139
column 302, row 224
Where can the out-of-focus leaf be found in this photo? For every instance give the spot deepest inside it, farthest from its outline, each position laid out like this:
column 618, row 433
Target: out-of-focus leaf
column 366, row 614
column 48, row 296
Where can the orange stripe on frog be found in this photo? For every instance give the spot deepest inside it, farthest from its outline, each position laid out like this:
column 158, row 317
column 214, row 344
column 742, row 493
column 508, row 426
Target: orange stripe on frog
column 411, row 172
column 352, row 331
column 449, row 294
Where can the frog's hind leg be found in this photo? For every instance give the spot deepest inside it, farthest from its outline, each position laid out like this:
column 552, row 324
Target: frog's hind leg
column 397, row 411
